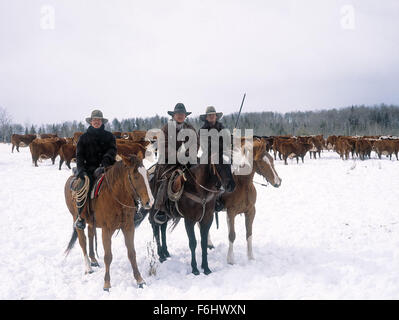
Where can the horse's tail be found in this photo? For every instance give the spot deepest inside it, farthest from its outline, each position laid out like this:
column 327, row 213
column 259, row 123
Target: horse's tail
column 71, row 242
column 175, row 222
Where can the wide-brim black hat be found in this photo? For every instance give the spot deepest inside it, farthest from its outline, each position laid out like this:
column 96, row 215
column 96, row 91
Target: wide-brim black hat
column 179, row 108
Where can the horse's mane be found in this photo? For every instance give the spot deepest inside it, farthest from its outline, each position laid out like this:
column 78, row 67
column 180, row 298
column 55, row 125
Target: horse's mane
column 116, row 171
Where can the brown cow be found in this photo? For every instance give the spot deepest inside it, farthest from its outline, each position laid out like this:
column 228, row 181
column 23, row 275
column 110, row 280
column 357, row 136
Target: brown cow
column 117, row 134
column 45, row 148
column 363, row 148
column 342, row 147
column 76, row 137
column 137, row 135
column 386, row 147
column 296, row 149
column 21, row 140
column 277, row 141
column 129, row 148
column 47, row 135
column 331, row 141
column 67, row 153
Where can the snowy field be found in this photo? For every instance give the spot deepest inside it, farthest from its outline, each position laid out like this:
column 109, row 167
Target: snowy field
column 331, row 231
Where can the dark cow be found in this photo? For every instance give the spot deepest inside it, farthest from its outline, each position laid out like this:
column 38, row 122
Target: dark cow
column 21, row 140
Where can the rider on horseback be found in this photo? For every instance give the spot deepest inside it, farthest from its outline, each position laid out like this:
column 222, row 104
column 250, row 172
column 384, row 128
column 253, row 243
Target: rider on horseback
column 211, row 121
column 164, row 169
column 96, row 149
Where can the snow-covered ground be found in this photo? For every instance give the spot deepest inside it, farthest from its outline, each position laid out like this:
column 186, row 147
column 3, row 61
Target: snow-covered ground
column 331, row 231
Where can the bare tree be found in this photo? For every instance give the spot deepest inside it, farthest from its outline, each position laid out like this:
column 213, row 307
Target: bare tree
column 5, row 124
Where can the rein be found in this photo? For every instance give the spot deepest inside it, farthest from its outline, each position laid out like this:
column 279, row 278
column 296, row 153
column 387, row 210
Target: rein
column 205, row 188
column 195, row 198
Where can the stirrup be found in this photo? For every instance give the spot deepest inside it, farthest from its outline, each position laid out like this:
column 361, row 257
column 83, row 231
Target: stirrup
column 160, row 218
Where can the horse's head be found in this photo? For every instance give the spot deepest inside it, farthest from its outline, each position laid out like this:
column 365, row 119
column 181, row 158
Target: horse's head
column 224, row 175
column 263, row 163
column 138, row 178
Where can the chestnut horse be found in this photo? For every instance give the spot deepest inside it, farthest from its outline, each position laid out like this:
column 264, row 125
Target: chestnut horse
column 201, row 184
column 243, row 198
column 124, row 183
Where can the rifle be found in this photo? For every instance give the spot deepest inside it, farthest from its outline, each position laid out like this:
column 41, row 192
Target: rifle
column 239, row 113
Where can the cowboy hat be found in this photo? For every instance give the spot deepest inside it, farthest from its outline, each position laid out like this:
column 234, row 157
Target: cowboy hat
column 179, row 108
column 98, row 115
column 211, row 110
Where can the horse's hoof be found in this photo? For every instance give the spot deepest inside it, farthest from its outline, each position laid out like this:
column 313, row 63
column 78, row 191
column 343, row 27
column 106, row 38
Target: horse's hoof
column 141, row 285
column 106, row 289
column 196, row 272
column 162, row 258
column 207, row 271
column 94, row 264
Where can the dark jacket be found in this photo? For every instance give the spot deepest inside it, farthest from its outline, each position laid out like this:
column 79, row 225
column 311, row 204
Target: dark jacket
column 96, row 147
column 218, row 126
column 178, row 143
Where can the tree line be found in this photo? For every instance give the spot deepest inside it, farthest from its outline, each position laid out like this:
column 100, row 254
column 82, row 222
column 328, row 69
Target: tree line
column 354, row 120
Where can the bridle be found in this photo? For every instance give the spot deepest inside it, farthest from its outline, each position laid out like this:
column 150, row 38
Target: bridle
column 215, row 172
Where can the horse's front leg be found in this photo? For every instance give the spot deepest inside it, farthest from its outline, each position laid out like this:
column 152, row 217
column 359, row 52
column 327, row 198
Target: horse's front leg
column 128, row 233
column 232, row 236
column 204, row 230
column 155, row 232
column 163, row 238
column 249, row 220
column 106, row 235
column 192, row 242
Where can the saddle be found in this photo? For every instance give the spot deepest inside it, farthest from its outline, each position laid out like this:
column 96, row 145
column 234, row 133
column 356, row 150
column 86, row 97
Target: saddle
column 95, row 191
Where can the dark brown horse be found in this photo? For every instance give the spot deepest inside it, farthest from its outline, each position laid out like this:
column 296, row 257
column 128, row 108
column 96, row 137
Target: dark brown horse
column 201, row 184
column 243, row 198
column 124, row 184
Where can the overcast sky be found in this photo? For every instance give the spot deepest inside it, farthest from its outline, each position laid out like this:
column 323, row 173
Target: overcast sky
column 59, row 59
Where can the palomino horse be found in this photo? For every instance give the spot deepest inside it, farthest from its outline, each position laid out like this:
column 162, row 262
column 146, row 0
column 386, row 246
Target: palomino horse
column 124, row 183
column 243, row 198
column 201, row 184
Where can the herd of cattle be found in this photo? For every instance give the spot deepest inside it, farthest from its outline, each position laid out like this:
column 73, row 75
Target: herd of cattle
column 359, row 146
column 49, row 146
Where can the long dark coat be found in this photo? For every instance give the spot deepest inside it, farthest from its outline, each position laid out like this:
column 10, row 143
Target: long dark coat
column 96, row 147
